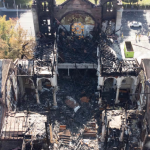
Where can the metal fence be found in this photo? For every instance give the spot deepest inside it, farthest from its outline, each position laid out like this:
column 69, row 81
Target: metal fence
column 135, row 6
column 19, row 6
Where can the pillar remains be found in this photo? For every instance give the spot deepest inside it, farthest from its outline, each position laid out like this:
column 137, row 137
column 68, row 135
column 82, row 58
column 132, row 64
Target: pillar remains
column 118, row 20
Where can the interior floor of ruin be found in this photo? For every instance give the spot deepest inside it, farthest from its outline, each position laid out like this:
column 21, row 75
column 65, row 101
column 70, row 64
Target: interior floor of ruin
column 77, row 121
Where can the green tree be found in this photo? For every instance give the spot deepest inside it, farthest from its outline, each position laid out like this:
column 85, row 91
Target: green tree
column 130, row 1
column 13, row 40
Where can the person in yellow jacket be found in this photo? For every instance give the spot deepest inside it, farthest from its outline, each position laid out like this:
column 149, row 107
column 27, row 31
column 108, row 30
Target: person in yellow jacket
column 122, row 35
column 139, row 36
column 136, row 36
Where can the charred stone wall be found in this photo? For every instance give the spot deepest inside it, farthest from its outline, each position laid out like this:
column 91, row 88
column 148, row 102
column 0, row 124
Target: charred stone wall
column 77, row 6
column 109, row 9
column 47, row 15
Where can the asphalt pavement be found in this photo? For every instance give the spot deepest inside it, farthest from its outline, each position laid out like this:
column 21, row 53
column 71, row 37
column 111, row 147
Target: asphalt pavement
column 140, row 16
column 25, row 18
column 141, row 45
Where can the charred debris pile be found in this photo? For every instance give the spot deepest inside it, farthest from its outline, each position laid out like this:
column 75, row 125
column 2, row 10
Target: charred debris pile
column 78, row 92
column 123, row 129
column 29, row 102
column 79, row 49
column 76, row 122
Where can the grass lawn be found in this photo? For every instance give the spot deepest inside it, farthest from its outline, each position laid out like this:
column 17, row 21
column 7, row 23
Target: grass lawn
column 58, row 2
column 143, row 2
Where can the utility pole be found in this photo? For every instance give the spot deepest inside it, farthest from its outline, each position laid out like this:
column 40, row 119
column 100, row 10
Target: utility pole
column 4, row 3
column 17, row 13
column 14, row 4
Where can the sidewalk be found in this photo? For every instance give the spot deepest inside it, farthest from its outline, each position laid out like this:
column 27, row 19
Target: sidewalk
column 141, row 48
column 133, row 38
column 5, row 9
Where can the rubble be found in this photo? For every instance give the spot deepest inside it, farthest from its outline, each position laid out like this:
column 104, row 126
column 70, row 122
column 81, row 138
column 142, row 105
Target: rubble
column 70, row 115
column 122, row 128
column 70, row 48
column 108, row 27
column 21, row 124
column 72, row 103
column 29, row 100
column 84, row 99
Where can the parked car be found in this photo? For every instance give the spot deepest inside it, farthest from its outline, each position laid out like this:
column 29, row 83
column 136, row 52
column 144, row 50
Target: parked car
column 136, row 24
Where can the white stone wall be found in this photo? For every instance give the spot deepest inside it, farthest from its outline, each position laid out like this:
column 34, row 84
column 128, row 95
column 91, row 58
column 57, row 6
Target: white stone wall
column 127, row 84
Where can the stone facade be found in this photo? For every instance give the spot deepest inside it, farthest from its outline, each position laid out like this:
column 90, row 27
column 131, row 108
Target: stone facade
column 45, row 11
column 78, row 6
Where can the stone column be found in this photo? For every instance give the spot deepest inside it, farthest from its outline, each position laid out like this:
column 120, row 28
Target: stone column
column 100, row 96
column 100, row 99
column 103, row 132
column 114, row 83
column 98, row 69
column 133, row 92
column 23, row 145
column 117, row 95
column 118, row 20
column 121, row 135
column 37, row 95
column 54, row 96
column 35, row 81
column 39, row 85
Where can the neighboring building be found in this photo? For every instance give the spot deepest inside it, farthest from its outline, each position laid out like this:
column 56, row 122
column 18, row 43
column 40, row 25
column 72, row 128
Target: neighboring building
column 145, row 88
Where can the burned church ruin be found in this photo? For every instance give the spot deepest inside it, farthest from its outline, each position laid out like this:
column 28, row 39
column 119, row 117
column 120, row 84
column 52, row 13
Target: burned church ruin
column 77, row 92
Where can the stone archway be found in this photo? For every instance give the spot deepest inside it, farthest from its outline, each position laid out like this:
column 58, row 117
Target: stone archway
column 43, row 82
column 45, row 90
column 126, row 88
column 78, row 6
column 109, row 90
column 127, row 83
column 80, row 23
column 110, row 83
column 77, row 16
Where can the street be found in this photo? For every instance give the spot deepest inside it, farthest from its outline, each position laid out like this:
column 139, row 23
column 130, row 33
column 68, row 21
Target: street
column 139, row 16
column 140, row 45
column 25, row 19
